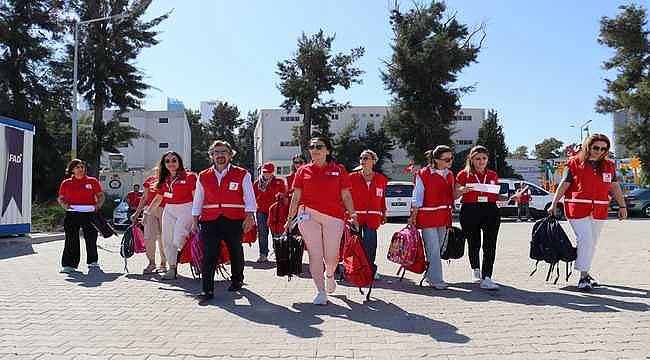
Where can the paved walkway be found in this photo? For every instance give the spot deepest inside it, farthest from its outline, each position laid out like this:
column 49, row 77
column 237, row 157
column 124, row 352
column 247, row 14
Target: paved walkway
column 108, row 314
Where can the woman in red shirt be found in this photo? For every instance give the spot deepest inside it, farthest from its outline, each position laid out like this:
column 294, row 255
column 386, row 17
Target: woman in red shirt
column 587, row 180
column 152, row 224
column 320, row 199
column 369, row 196
column 175, row 188
column 81, row 196
column 296, row 162
column 479, row 213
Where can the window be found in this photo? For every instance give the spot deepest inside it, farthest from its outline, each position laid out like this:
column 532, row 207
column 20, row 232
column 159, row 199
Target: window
column 503, row 188
column 289, row 143
column 464, row 142
column 289, row 118
column 372, row 115
column 163, row 120
column 122, row 144
column 163, row 145
column 534, row 190
column 463, row 118
column 335, row 117
column 284, row 170
column 363, row 115
column 376, row 115
column 123, row 119
column 399, row 191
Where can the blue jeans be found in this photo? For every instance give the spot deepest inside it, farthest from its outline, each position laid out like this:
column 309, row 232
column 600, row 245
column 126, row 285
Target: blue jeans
column 263, row 232
column 369, row 237
column 432, row 238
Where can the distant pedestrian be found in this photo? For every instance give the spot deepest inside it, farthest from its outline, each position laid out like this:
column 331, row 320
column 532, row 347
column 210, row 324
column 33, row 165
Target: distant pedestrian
column 296, row 162
column 321, row 196
column 133, row 199
column 585, row 185
column 522, row 199
column 266, row 188
column 81, row 196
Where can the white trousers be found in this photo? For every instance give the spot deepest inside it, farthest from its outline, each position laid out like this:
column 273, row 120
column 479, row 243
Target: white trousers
column 176, row 225
column 587, row 232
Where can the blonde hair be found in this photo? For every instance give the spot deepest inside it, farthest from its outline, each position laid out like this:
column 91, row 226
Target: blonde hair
column 372, row 154
column 478, row 149
column 585, row 150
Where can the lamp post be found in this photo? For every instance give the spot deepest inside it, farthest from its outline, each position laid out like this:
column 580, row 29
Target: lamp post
column 582, row 128
column 75, row 111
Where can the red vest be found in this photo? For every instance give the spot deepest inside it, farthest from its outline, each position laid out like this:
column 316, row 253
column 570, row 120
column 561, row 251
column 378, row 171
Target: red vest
column 267, row 197
column 369, row 202
column 225, row 199
column 589, row 190
column 438, row 199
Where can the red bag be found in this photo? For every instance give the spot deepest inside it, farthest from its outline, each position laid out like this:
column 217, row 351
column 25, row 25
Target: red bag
column 250, row 236
column 185, row 256
column 357, row 269
column 419, row 266
column 278, row 213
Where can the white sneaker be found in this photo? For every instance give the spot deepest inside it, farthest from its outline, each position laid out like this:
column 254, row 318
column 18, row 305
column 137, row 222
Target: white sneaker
column 377, row 276
column 439, row 286
column 488, row 284
column 94, row 264
column 476, row 275
column 321, row 298
column 330, row 284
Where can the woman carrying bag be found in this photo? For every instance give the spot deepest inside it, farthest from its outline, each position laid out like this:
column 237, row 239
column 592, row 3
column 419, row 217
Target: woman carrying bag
column 587, row 180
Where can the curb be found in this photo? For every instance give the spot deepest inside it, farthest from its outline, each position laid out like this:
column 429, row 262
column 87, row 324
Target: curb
column 35, row 238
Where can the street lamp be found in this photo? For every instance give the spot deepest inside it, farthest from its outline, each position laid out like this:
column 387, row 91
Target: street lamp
column 75, row 115
column 582, row 128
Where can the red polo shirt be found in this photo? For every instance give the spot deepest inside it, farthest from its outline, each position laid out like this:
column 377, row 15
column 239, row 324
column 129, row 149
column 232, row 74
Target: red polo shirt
column 465, row 177
column 133, row 198
column 321, row 187
column 80, row 191
column 267, row 197
column 150, row 184
column 180, row 189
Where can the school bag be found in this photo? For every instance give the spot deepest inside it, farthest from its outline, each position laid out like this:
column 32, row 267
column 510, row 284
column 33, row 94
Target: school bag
column 250, row 236
column 278, row 213
column 289, row 249
column 138, row 239
column 453, row 245
column 551, row 244
column 403, row 246
column 355, row 262
column 419, row 266
column 127, row 246
column 194, row 246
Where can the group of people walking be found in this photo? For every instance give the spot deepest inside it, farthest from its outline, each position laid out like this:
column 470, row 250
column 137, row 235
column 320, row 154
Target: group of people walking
column 222, row 202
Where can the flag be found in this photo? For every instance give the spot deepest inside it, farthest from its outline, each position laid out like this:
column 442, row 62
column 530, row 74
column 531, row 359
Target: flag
column 408, row 169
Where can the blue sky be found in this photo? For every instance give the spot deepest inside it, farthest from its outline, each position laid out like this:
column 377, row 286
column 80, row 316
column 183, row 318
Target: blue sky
column 540, row 67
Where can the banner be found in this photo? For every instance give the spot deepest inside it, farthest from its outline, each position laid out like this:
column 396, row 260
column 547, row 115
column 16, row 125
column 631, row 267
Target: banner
column 15, row 140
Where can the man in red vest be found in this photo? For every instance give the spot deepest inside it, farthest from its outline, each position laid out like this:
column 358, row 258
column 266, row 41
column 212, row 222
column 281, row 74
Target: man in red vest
column 223, row 209
column 267, row 188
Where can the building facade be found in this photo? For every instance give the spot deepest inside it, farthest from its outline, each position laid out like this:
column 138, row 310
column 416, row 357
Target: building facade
column 619, row 119
column 274, row 135
column 162, row 131
column 175, row 105
column 206, row 108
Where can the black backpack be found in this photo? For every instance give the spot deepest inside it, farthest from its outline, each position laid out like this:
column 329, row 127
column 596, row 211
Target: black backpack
column 288, row 248
column 453, row 245
column 551, row 244
column 127, row 246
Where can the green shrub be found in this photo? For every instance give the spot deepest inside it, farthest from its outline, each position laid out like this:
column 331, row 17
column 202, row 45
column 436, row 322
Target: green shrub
column 47, row 217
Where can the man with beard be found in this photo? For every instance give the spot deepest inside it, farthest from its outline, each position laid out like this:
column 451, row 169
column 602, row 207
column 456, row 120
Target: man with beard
column 224, row 207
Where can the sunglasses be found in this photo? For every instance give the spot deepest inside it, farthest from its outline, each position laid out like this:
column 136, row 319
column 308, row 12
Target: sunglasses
column 79, row 167
column 218, row 152
column 172, row 161
column 447, row 160
column 298, row 162
column 316, row 146
column 365, row 158
column 598, row 148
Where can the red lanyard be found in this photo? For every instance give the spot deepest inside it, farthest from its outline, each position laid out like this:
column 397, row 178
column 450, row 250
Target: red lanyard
column 484, row 178
column 170, row 184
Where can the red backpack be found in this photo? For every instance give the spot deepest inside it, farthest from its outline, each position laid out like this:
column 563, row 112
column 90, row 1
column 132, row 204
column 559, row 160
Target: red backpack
column 250, row 236
column 357, row 269
column 420, row 265
column 192, row 253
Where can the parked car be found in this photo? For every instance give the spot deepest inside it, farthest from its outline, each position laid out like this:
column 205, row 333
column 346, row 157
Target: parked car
column 638, row 202
column 626, row 188
column 540, row 199
column 121, row 214
column 398, row 198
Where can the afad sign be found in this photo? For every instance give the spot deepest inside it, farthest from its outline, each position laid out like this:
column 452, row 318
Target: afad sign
column 15, row 140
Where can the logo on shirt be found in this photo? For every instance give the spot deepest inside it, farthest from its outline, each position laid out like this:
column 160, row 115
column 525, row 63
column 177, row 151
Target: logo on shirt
column 16, row 158
column 332, row 173
column 379, row 192
column 182, row 182
column 233, row 186
column 607, row 177
column 492, row 182
column 88, row 186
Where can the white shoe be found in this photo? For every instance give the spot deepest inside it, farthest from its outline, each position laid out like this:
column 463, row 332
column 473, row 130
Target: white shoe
column 330, row 284
column 377, row 276
column 476, row 275
column 321, row 298
column 488, row 284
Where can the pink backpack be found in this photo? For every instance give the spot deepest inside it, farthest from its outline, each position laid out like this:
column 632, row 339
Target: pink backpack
column 196, row 248
column 138, row 240
column 404, row 245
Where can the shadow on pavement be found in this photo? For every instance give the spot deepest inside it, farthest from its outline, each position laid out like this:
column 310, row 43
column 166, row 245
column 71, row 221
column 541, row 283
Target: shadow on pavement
column 15, row 250
column 597, row 300
column 262, row 266
column 95, row 277
column 387, row 316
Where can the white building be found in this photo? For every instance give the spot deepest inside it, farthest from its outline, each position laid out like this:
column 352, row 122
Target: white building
column 621, row 118
column 162, row 131
column 206, row 108
column 274, row 134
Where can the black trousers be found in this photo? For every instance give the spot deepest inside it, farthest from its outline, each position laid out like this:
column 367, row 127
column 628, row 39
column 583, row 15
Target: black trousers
column 474, row 219
column 213, row 232
column 72, row 222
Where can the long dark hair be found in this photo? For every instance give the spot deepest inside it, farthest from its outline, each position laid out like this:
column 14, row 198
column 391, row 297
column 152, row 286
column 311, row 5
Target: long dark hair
column 432, row 155
column 163, row 173
column 71, row 165
column 294, row 158
column 328, row 146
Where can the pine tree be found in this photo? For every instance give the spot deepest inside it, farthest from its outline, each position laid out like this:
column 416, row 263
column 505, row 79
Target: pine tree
column 245, row 141
column 490, row 135
column 224, row 123
column 430, row 49
column 200, row 141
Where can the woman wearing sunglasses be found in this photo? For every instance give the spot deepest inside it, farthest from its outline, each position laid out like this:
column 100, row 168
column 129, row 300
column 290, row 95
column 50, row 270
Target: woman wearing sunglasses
column 431, row 206
column 80, row 196
column 587, row 180
column 296, row 162
column 369, row 196
column 479, row 214
column 320, row 199
column 175, row 192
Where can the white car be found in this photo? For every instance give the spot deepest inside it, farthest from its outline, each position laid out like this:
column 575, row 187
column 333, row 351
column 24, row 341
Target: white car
column 398, row 198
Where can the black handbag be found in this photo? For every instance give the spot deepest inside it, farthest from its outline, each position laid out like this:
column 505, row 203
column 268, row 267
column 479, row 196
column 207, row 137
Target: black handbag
column 103, row 227
column 453, row 245
column 289, row 248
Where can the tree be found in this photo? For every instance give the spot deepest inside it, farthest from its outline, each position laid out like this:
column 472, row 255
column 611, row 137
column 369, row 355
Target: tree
column 430, row 49
column 246, row 141
column 200, row 141
column 107, row 52
column 224, row 123
column 348, row 146
column 490, row 135
column 627, row 34
column 549, row 148
column 521, row 152
column 312, row 72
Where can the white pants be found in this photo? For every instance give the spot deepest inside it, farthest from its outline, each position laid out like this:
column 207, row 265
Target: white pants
column 587, row 232
column 432, row 238
column 176, row 225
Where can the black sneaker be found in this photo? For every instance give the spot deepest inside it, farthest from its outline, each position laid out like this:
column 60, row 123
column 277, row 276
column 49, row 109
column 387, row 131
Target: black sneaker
column 204, row 297
column 236, row 286
column 592, row 281
column 585, row 284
